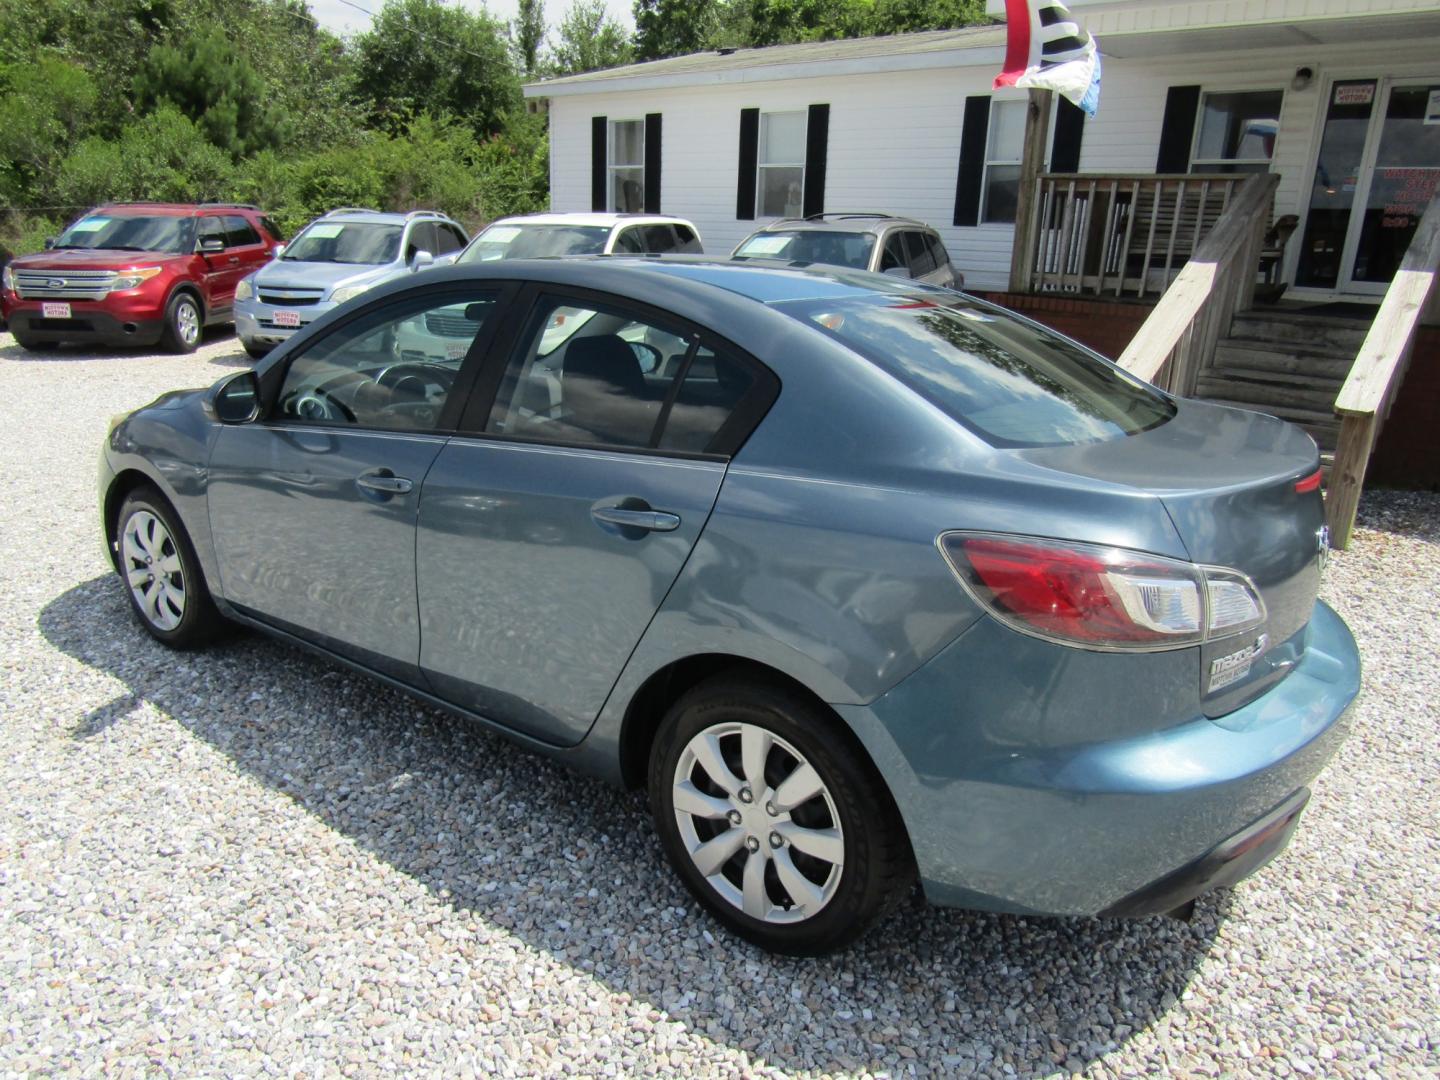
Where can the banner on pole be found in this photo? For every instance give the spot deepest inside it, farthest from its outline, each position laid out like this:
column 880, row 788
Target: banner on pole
column 1046, row 49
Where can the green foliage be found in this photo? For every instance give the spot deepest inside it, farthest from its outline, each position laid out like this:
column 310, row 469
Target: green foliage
column 673, row 27
column 48, row 106
column 422, row 56
column 589, row 40
column 164, row 156
column 206, row 79
column 529, row 34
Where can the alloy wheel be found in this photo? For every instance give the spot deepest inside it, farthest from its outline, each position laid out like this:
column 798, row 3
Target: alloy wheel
column 758, row 822
column 187, row 321
column 152, row 569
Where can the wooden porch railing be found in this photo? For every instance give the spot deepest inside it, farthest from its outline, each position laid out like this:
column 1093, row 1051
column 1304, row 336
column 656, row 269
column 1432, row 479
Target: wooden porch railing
column 1180, row 333
column 1097, row 234
column 1365, row 399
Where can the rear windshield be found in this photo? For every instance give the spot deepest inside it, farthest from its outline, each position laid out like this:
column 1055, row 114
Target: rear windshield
column 1012, row 383
column 536, row 242
column 131, row 232
column 357, row 242
column 820, row 246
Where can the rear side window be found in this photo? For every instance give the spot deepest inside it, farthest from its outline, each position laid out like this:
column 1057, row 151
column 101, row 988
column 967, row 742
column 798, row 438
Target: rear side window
column 937, row 250
column 630, row 242
column 1013, row 384
column 713, row 389
column 239, row 232
column 921, row 261
column 659, row 239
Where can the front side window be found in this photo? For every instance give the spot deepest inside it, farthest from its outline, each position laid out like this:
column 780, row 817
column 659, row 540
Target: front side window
column 447, row 238
column 1013, row 384
column 1236, row 132
column 356, row 242
column 130, row 232
column 536, row 242
column 627, row 166
column 921, row 261
column 780, row 179
column 893, row 256
column 239, row 232
column 391, row 368
column 1005, row 145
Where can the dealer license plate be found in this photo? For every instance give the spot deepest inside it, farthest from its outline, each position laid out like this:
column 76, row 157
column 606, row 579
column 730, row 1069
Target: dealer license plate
column 55, row 311
column 287, row 318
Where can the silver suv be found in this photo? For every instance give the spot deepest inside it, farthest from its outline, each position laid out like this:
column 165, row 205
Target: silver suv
column 884, row 243
column 335, row 257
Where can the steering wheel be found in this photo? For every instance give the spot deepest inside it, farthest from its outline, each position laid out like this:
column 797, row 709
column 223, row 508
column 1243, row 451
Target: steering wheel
column 321, row 404
column 392, row 376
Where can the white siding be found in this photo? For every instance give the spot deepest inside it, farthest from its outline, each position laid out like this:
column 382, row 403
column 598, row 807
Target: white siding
column 895, row 137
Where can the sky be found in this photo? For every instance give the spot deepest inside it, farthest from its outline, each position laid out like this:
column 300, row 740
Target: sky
column 343, row 18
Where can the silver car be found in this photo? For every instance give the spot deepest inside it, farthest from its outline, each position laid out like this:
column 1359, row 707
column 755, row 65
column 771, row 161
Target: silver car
column 334, row 258
column 899, row 246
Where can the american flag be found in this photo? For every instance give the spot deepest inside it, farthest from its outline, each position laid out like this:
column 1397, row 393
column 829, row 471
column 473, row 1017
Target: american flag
column 1046, row 49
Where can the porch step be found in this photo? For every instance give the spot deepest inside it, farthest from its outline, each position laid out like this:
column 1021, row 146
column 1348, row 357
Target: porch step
column 1255, row 354
column 1263, row 389
column 1300, row 331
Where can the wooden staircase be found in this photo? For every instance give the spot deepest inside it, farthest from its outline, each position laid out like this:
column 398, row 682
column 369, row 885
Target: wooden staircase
column 1285, row 363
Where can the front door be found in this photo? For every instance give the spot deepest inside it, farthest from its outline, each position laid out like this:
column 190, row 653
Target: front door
column 550, row 536
column 313, row 507
column 1378, row 166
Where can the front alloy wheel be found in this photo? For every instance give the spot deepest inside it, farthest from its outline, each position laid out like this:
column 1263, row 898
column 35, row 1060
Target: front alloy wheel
column 151, row 564
column 773, row 816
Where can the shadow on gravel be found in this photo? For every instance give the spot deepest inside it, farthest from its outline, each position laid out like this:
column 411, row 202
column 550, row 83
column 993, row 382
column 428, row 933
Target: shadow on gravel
column 531, row 847
column 72, row 353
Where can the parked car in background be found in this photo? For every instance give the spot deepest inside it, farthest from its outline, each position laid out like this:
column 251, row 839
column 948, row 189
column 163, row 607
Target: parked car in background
column 884, row 243
column 137, row 273
column 536, row 236
column 334, row 258
column 861, row 578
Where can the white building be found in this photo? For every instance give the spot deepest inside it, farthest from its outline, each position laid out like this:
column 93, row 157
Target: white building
column 1340, row 98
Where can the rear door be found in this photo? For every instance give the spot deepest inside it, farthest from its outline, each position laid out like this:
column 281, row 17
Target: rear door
column 554, row 524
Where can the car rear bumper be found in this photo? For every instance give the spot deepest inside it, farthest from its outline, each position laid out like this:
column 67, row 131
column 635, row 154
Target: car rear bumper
column 86, row 324
column 999, row 820
column 255, row 322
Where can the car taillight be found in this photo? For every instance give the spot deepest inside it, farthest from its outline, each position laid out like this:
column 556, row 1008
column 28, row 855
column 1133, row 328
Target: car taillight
column 1101, row 597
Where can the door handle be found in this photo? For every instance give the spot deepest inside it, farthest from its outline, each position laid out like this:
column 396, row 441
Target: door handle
column 233, row 259
column 384, row 482
column 650, row 520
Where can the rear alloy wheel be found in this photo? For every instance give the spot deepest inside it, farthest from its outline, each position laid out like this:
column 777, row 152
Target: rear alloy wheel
column 782, row 832
column 161, row 574
column 184, row 325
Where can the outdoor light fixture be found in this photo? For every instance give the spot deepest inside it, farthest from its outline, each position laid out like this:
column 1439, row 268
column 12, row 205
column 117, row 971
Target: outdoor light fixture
column 1304, row 76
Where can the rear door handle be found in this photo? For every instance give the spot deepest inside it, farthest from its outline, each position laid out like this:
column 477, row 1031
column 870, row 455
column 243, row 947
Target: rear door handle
column 384, row 482
column 651, row 520
column 234, row 259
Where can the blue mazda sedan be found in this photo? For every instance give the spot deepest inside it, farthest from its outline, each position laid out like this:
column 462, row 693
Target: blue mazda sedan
column 862, row 580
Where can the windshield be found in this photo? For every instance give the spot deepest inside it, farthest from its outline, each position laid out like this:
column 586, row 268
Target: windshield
column 1012, row 383
column 131, row 232
column 536, row 242
column 819, row 246
column 359, row 242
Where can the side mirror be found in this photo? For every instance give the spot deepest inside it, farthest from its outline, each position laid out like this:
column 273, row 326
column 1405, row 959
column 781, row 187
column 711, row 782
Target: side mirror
column 235, row 399
column 277, row 251
column 209, row 245
column 49, row 242
column 897, row 271
column 420, row 260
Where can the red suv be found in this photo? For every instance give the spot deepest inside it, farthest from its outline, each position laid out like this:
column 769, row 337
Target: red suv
column 136, row 274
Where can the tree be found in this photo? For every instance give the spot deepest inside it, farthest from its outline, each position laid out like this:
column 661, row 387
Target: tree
column 529, row 33
column 673, row 27
column 48, row 109
column 422, row 56
column 207, row 80
column 589, row 40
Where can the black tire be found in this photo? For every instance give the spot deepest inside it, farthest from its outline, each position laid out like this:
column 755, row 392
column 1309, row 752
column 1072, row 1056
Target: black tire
column 255, row 352
column 199, row 621
column 184, row 323
column 878, row 868
column 31, row 345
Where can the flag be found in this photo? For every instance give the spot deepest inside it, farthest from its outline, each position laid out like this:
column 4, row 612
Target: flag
column 1046, row 49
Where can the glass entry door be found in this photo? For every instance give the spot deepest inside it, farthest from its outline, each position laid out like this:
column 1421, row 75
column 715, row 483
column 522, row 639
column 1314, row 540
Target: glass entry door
column 1379, row 164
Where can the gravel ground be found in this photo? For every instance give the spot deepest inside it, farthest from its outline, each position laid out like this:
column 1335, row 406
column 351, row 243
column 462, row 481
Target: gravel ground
column 248, row 861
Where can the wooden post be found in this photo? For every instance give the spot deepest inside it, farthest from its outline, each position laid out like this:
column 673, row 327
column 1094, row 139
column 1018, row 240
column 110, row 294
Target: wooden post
column 1032, row 164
